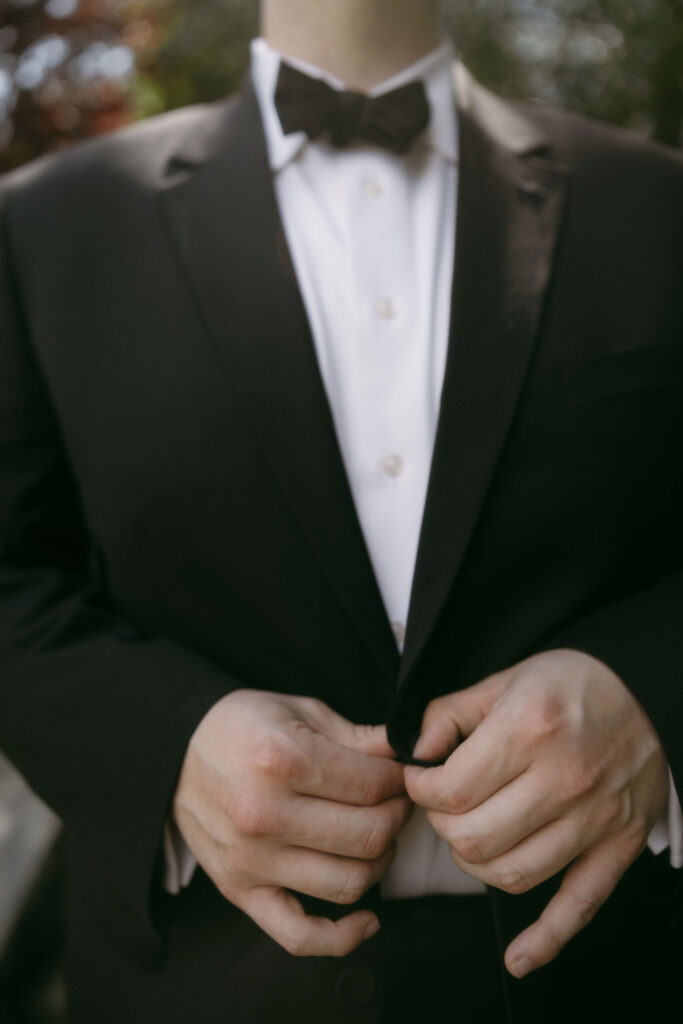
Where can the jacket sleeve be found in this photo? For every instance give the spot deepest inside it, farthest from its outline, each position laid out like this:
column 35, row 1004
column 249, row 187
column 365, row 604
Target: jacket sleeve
column 96, row 716
column 640, row 637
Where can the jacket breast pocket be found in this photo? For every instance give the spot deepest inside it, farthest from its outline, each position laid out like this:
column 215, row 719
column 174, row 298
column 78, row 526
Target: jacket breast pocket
column 618, row 372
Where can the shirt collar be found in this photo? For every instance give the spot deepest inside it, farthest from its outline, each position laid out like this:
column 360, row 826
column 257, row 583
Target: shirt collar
column 435, row 69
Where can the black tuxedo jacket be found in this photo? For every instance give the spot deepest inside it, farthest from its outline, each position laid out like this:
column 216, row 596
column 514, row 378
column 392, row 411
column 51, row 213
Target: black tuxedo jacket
column 175, row 521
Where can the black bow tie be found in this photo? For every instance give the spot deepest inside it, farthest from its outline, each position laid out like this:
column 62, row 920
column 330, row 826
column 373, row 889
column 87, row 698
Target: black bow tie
column 392, row 120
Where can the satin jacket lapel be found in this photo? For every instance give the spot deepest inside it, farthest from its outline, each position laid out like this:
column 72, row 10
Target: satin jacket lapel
column 220, row 201
column 509, row 211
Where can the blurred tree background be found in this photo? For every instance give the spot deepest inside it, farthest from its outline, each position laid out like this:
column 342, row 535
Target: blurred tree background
column 73, row 68
column 70, row 69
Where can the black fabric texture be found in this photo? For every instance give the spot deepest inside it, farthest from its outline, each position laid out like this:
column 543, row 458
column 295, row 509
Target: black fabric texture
column 175, row 522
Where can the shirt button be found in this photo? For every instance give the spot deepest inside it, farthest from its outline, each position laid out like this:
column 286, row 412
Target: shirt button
column 386, row 309
column 392, row 465
column 371, row 187
column 399, row 631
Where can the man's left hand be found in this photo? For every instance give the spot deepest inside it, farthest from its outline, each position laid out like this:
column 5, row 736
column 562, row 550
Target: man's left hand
column 554, row 763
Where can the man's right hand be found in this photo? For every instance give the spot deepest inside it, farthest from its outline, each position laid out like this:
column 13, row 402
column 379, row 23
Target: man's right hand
column 280, row 793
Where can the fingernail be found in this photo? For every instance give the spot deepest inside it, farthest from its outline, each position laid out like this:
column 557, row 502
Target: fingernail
column 417, row 750
column 419, row 746
column 521, row 966
column 371, row 929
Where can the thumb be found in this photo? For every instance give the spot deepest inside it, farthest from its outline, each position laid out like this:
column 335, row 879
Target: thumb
column 440, row 732
column 454, row 717
column 369, row 739
column 364, row 739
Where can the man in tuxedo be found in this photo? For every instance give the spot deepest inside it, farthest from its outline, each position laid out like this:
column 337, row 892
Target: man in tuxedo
column 353, row 399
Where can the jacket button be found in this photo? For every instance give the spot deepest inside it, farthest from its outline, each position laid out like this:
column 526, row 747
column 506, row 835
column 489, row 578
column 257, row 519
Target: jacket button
column 356, row 986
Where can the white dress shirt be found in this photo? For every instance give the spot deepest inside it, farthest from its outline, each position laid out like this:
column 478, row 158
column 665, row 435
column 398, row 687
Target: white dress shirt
column 372, row 240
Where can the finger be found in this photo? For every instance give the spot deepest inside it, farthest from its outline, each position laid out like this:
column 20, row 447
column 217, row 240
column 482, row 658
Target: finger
column 439, row 732
column 365, row 739
column 485, row 762
column 282, row 917
column 364, row 832
column 447, row 719
column 242, row 865
column 324, row 876
column 500, row 823
column 335, row 772
column 534, row 860
column 585, row 887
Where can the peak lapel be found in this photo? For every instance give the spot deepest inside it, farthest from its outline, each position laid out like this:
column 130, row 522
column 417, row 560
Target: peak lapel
column 222, row 210
column 509, row 211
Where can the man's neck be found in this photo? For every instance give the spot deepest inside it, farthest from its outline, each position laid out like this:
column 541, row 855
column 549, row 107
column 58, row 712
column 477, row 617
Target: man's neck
column 361, row 42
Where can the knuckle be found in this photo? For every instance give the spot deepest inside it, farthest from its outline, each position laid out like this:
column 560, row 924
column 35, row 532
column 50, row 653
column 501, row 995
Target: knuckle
column 578, row 779
column 376, row 840
column 468, row 848
column 354, row 885
column 252, row 816
column 511, row 880
column 296, row 943
column 539, row 722
column 457, row 802
column 373, row 791
column 313, row 707
column 276, row 758
column 611, row 814
column 584, row 906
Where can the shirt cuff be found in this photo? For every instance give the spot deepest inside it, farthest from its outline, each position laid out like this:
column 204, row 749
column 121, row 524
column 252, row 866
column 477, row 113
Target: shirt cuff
column 179, row 861
column 669, row 829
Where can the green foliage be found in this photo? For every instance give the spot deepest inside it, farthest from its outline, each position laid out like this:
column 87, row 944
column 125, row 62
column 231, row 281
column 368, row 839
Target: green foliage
column 105, row 62
column 206, row 49
column 620, row 61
